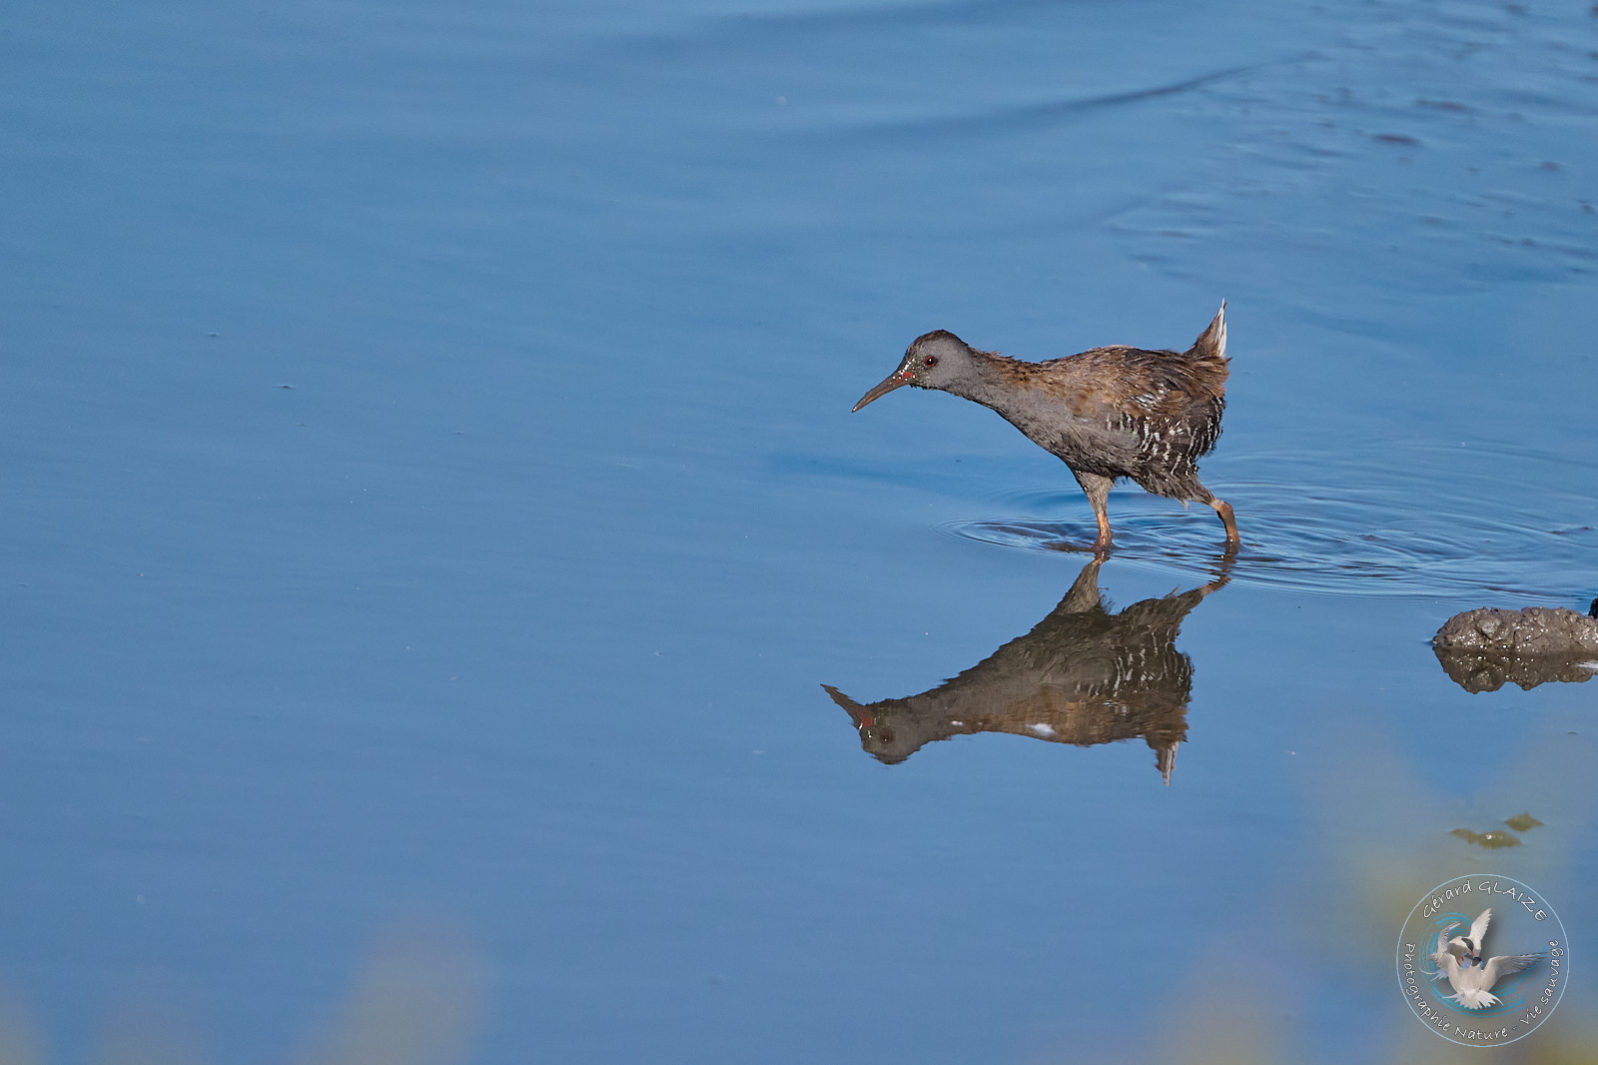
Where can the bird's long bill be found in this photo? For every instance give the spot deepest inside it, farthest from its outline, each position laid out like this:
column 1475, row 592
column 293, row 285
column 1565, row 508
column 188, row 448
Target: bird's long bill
column 897, row 379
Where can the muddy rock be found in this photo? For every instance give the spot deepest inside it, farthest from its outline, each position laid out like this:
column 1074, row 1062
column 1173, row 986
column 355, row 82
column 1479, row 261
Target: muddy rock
column 1482, row 649
column 1536, row 630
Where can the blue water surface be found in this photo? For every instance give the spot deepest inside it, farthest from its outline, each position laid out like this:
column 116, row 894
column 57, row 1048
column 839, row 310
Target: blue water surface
column 433, row 510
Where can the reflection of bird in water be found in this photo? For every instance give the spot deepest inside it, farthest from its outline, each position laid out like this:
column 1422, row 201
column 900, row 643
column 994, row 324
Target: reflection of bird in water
column 1107, row 413
column 1082, row 676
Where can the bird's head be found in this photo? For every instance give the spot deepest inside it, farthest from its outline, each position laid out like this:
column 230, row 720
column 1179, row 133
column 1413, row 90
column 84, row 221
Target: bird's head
column 934, row 360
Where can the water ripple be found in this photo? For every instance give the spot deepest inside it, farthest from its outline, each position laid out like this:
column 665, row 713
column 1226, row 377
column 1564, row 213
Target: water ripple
column 1433, row 521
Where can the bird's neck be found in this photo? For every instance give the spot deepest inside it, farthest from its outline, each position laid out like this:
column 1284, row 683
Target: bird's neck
column 985, row 381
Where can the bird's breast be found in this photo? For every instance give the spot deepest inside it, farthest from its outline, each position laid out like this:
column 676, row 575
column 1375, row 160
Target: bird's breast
column 1104, row 445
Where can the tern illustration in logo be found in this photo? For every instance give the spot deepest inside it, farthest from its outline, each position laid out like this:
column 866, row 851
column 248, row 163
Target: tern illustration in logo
column 1459, row 958
column 1470, row 945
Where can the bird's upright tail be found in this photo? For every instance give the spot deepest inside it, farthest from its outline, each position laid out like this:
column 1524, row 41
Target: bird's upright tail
column 1212, row 342
column 1206, row 360
column 1475, row 999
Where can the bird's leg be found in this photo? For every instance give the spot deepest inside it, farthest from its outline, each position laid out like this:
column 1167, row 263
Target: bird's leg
column 1101, row 543
column 1224, row 509
column 1097, row 489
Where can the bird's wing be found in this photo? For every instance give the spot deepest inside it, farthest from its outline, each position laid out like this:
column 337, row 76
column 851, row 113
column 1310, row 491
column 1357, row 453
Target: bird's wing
column 1443, row 935
column 1506, row 964
column 1478, row 928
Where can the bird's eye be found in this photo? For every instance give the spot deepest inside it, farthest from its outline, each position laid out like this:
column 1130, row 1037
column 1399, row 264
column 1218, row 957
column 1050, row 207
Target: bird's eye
column 930, row 360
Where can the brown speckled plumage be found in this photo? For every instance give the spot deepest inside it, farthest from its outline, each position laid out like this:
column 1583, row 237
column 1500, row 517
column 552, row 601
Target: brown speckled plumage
column 1107, row 412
